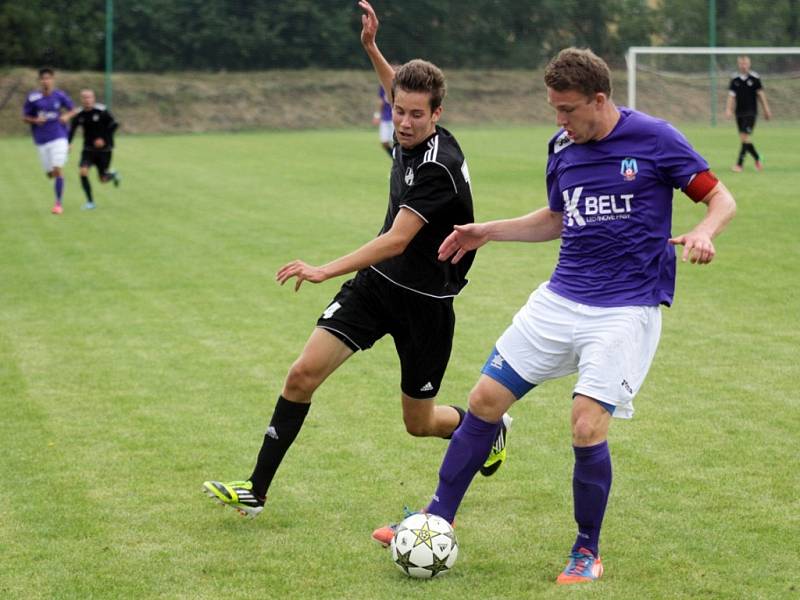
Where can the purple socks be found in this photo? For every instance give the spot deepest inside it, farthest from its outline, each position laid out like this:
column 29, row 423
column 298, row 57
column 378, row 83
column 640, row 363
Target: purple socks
column 59, row 189
column 591, row 483
column 467, row 451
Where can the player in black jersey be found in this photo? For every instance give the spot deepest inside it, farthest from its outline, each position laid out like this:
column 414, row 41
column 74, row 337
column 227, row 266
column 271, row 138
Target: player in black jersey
column 745, row 92
column 98, row 143
column 400, row 287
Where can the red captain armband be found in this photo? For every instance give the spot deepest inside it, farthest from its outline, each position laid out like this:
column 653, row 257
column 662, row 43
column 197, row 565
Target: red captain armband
column 700, row 185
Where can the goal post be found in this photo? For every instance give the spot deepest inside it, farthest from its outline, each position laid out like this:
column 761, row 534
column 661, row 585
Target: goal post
column 634, row 51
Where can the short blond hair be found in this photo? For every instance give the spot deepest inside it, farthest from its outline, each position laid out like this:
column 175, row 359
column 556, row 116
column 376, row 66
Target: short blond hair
column 580, row 70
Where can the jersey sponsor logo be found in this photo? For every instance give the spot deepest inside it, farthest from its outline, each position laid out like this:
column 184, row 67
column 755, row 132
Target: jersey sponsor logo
column 628, row 169
column 330, row 310
column 571, row 207
column 50, row 115
column 596, row 209
column 409, row 176
column 428, row 387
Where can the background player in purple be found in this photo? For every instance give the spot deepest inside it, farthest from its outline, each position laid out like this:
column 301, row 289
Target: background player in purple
column 383, row 119
column 610, row 178
column 48, row 110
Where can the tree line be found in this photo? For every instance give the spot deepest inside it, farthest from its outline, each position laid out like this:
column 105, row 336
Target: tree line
column 240, row 35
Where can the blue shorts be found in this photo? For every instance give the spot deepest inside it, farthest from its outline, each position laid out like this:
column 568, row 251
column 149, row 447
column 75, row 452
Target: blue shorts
column 503, row 373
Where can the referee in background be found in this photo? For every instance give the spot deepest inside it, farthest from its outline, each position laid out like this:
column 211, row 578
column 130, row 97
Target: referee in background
column 745, row 92
column 99, row 126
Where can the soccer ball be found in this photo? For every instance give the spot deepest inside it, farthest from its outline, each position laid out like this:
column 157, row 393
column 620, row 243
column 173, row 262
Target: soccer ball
column 424, row 546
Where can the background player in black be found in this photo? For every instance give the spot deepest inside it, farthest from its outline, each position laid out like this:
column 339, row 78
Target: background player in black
column 745, row 94
column 98, row 142
column 400, row 287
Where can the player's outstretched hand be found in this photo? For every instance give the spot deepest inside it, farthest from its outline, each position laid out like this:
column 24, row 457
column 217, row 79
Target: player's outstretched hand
column 463, row 239
column 369, row 23
column 300, row 270
column 697, row 248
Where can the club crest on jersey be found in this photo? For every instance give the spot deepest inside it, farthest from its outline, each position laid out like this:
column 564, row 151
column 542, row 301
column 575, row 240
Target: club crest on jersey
column 628, row 169
column 409, row 176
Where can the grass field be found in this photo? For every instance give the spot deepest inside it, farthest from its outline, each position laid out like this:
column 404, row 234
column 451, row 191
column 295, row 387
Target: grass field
column 142, row 346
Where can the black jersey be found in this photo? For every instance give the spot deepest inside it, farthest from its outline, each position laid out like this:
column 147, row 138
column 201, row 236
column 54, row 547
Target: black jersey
column 97, row 122
column 432, row 180
column 745, row 89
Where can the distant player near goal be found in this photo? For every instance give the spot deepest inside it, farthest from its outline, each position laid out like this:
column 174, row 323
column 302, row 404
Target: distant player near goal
column 610, row 178
column 745, row 94
column 99, row 126
column 47, row 111
column 400, row 287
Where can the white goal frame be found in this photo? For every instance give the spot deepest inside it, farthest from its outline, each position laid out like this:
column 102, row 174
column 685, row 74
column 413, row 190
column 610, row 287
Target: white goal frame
column 634, row 51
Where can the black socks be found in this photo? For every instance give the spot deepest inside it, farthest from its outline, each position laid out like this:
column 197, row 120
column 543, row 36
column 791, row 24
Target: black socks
column 283, row 429
column 87, row 188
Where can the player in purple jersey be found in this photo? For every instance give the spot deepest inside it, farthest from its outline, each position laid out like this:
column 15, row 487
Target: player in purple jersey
column 48, row 111
column 383, row 119
column 610, row 178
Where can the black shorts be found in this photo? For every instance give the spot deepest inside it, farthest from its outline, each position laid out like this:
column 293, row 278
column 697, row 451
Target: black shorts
column 746, row 124
column 99, row 158
column 369, row 306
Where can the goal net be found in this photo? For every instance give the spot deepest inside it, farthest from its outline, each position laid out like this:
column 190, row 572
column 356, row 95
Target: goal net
column 691, row 83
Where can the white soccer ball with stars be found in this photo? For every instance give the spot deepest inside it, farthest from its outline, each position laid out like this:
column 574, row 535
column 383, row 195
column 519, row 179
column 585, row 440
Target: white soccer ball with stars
column 424, row 546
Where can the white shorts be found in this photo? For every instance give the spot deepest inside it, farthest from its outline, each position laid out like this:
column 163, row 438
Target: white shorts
column 610, row 348
column 53, row 154
column 385, row 131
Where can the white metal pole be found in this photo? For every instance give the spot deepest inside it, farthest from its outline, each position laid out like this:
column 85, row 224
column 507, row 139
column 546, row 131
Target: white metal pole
column 631, row 60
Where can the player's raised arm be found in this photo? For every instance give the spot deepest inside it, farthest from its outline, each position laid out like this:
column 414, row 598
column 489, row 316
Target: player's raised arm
column 369, row 29
column 698, row 247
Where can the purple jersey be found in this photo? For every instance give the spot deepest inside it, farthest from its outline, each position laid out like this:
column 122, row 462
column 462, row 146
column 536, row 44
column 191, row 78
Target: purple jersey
column 386, row 108
column 616, row 199
column 49, row 107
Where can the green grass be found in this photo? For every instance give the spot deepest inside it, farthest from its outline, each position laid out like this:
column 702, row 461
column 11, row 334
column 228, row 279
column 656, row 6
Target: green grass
column 142, row 346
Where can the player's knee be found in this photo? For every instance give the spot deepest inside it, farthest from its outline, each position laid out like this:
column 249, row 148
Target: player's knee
column 302, row 380
column 483, row 404
column 417, row 427
column 586, row 431
column 84, row 171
